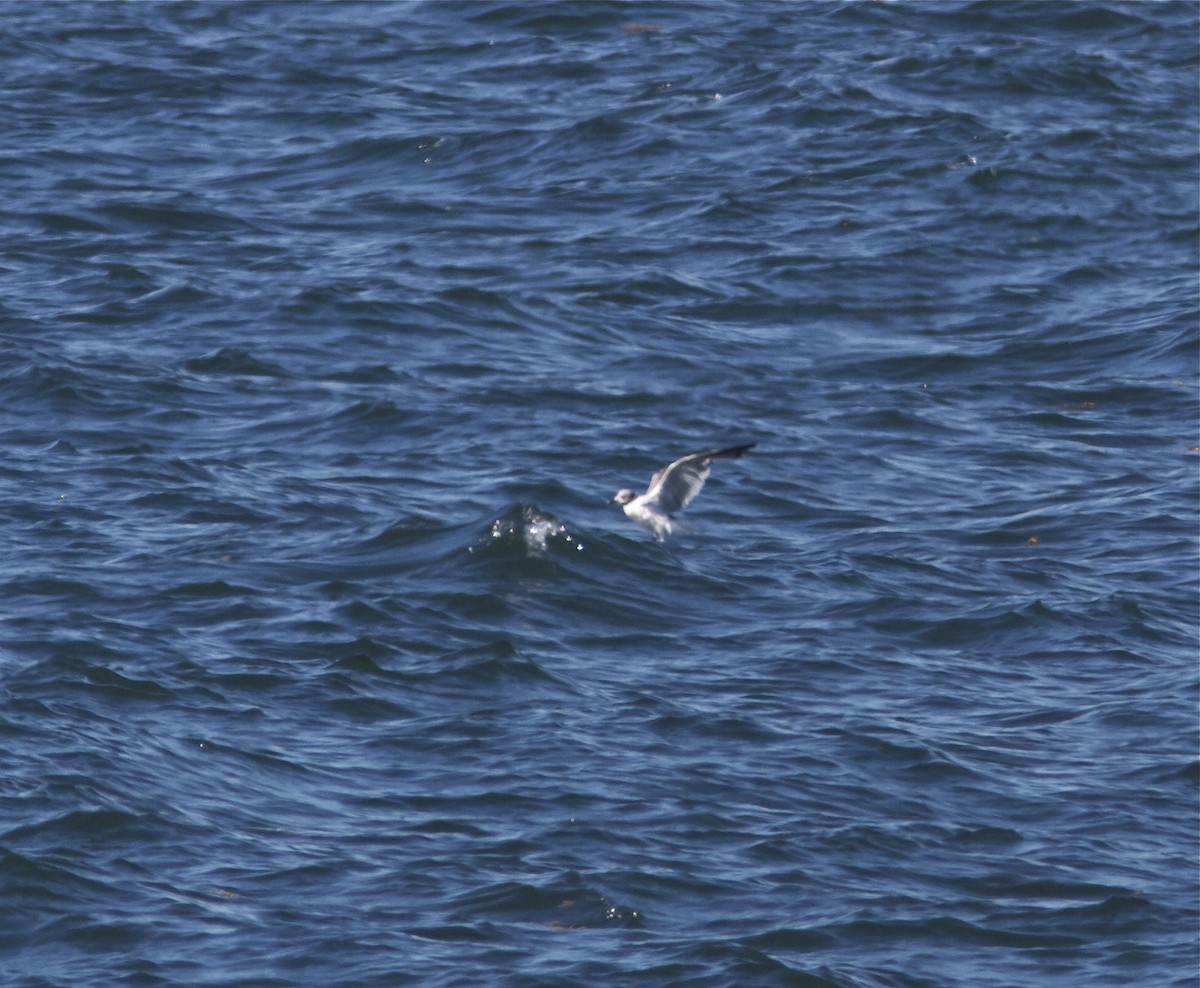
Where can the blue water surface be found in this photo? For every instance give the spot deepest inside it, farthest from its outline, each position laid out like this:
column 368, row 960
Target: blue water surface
column 326, row 331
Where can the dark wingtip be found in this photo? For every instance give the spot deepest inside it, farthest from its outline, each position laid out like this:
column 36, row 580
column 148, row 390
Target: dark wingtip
column 733, row 452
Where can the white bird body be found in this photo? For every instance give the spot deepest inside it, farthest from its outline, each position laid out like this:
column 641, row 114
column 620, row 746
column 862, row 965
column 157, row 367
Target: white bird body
column 672, row 489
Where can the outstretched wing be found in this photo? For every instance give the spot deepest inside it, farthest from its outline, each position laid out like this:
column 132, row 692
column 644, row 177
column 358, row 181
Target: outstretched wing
column 674, row 486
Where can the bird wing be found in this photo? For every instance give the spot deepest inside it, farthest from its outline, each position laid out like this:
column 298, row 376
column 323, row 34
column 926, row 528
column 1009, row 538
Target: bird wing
column 676, row 484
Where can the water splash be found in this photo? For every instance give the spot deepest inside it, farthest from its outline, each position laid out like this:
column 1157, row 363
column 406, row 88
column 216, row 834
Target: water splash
column 526, row 526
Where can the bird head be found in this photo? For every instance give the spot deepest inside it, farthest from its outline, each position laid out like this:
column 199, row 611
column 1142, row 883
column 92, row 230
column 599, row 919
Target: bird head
column 623, row 496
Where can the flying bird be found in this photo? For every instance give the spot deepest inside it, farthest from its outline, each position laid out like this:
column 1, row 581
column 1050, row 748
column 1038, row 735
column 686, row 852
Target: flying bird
column 672, row 489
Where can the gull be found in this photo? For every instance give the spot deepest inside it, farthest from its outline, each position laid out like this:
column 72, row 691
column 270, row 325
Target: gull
column 672, row 489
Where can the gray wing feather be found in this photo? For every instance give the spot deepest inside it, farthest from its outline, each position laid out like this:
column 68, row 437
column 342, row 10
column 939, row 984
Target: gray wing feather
column 675, row 485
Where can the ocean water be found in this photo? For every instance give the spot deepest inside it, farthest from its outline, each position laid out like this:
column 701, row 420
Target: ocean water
column 326, row 331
